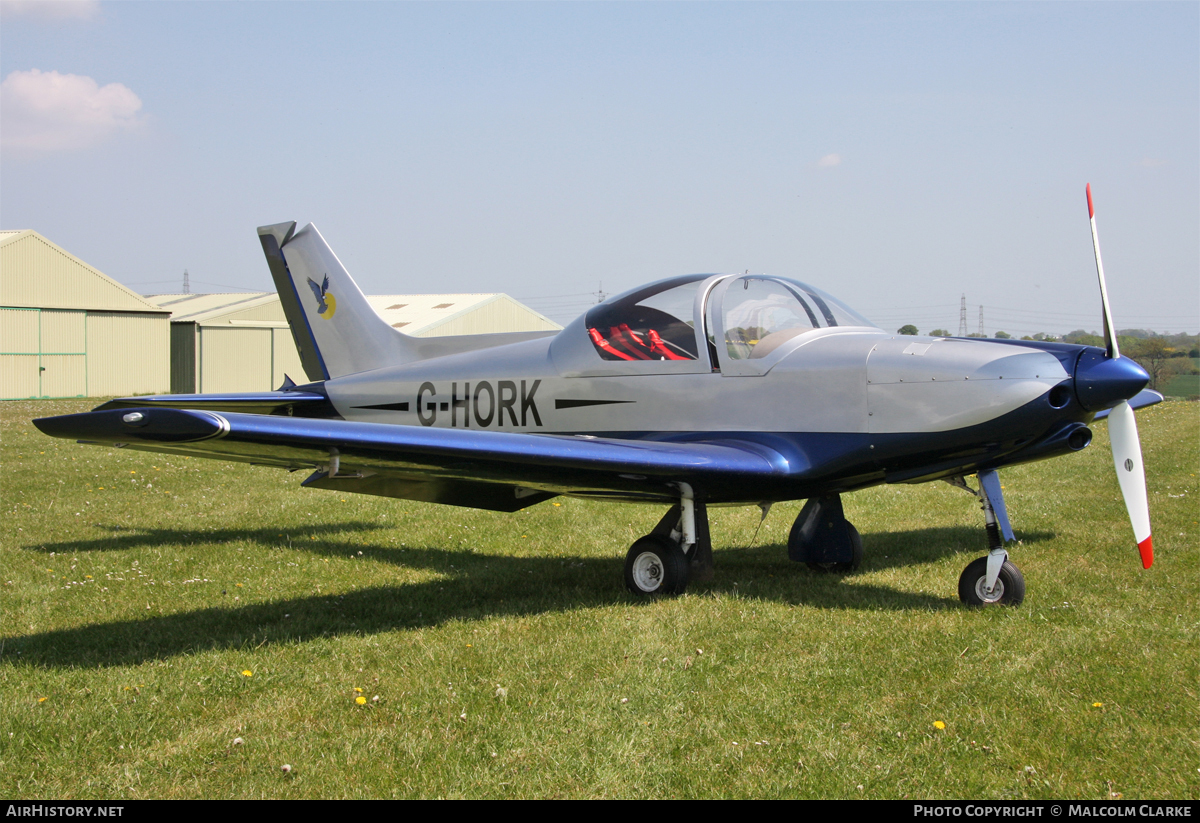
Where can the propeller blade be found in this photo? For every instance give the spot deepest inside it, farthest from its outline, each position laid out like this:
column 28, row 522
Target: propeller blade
column 1127, row 458
column 1122, row 428
column 1110, row 333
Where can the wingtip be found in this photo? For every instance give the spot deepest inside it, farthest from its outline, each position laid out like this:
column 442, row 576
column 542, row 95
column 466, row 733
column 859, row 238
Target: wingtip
column 1146, row 549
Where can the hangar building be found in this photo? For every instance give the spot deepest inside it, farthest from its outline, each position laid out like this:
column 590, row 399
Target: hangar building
column 228, row 342
column 439, row 315
column 67, row 330
column 242, row 342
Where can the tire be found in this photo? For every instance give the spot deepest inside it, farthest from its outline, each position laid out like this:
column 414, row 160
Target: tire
column 843, row 568
column 656, row 565
column 1010, row 585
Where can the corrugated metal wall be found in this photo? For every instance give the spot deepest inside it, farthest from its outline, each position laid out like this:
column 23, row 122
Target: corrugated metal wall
column 285, row 359
column 60, row 353
column 19, row 331
column 34, row 272
column 43, row 353
column 234, row 359
column 128, row 353
column 219, row 357
column 64, row 353
column 20, row 353
column 245, row 359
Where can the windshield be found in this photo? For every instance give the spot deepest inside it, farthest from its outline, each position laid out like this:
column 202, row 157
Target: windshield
column 760, row 313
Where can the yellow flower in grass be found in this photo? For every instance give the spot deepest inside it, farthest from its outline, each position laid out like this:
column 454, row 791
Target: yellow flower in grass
column 360, row 700
column 1097, row 705
column 939, row 725
column 43, row 699
column 247, row 673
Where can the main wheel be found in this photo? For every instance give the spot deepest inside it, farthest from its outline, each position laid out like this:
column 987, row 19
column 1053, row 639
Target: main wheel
column 656, row 565
column 1009, row 590
column 844, row 568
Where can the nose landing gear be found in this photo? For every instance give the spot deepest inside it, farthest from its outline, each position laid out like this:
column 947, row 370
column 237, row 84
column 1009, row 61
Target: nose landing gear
column 991, row 579
column 1008, row 590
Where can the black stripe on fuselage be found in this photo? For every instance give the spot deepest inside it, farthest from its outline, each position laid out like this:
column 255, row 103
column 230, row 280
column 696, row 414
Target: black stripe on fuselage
column 575, row 404
column 387, row 406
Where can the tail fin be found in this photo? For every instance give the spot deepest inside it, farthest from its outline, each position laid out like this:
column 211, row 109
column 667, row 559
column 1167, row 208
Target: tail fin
column 335, row 329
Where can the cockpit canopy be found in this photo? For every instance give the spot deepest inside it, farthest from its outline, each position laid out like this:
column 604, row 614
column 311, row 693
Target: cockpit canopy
column 653, row 329
column 654, row 322
column 757, row 314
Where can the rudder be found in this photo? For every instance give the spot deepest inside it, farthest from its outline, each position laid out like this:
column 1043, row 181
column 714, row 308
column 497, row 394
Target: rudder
column 335, row 329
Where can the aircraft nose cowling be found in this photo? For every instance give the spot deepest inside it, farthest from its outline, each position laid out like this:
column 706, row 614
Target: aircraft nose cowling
column 1101, row 382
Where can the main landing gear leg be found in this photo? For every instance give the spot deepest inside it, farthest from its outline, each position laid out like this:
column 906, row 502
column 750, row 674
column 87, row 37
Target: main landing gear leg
column 991, row 579
column 678, row 551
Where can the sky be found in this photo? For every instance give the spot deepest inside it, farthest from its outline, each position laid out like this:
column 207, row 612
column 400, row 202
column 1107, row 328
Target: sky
column 897, row 155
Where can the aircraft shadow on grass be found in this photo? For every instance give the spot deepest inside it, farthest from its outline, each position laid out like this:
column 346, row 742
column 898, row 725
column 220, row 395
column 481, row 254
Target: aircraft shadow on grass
column 473, row 587
column 124, row 538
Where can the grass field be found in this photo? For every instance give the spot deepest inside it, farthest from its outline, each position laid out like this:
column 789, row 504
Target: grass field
column 182, row 628
column 1183, row 385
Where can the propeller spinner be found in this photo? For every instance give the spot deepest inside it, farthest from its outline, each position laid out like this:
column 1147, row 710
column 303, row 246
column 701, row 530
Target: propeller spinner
column 1122, row 428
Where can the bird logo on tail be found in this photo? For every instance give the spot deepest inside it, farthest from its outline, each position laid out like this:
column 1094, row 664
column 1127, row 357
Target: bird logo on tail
column 326, row 303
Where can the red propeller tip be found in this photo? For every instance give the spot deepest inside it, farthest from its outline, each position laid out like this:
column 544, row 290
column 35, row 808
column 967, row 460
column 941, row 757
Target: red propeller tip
column 1091, row 211
column 1146, row 548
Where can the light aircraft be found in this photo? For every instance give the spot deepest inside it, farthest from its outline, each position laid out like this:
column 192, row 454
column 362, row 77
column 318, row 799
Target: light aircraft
column 691, row 392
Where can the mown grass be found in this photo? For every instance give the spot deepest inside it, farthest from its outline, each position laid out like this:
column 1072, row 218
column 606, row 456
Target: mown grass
column 499, row 655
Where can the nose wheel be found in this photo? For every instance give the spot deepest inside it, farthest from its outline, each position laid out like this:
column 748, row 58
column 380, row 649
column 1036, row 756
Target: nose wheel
column 1008, row 590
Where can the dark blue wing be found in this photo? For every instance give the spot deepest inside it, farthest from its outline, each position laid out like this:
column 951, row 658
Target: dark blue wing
column 301, row 401
column 390, row 458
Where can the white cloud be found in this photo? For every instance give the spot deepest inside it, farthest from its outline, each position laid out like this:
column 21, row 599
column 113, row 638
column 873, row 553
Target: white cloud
column 48, row 111
column 51, row 10
column 829, row 161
